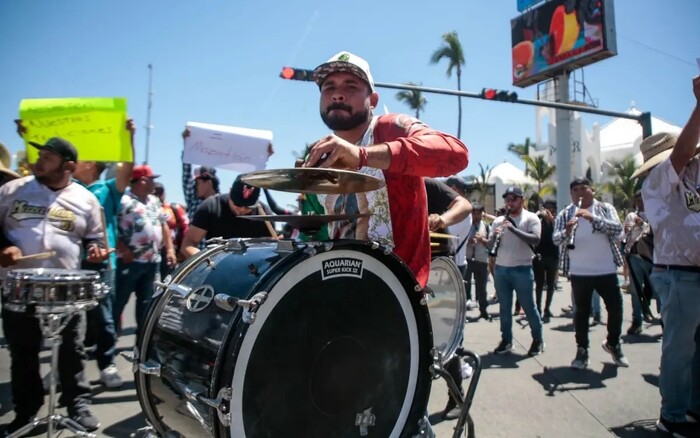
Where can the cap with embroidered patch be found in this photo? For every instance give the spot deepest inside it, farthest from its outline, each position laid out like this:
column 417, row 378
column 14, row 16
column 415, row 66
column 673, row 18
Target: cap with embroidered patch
column 344, row 62
column 242, row 194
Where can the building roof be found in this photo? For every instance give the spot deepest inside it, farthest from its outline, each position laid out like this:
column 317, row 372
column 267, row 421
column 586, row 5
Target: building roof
column 507, row 173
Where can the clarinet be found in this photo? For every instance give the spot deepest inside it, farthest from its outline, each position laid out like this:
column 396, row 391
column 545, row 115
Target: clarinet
column 493, row 251
column 571, row 244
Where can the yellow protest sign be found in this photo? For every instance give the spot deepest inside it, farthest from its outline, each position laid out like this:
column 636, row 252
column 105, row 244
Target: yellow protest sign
column 95, row 125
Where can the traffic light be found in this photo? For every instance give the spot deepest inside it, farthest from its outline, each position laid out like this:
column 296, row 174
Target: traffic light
column 297, row 74
column 502, row 95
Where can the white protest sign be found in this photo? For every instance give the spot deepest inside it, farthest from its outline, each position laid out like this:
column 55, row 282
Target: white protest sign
column 227, row 147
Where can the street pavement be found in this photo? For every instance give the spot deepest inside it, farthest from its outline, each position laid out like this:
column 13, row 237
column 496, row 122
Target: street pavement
column 517, row 395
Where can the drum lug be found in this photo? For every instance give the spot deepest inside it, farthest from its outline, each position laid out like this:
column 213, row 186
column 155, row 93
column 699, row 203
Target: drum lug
column 250, row 307
column 234, row 245
column 219, row 403
column 150, row 368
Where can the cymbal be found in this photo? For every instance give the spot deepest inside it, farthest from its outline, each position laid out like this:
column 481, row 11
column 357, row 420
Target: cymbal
column 313, row 180
column 442, row 236
column 305, row 221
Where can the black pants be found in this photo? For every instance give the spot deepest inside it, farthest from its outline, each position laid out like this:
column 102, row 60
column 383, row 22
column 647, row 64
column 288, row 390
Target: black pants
column 545, row 269
column 608, row 288
column 24, row 336
column 480, row 271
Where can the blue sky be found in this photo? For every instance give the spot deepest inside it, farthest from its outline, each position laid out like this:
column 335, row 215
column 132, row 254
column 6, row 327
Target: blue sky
column 219, row 61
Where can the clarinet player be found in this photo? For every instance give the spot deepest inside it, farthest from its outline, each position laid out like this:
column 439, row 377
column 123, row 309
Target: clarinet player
column 513, row 238
column 592, row 264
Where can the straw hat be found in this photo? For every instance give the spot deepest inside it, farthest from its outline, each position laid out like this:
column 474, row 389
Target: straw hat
column 5, row 161
column 655, row 149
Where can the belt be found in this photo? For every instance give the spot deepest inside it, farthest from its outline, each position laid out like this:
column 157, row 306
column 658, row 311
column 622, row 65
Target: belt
column 686, row 268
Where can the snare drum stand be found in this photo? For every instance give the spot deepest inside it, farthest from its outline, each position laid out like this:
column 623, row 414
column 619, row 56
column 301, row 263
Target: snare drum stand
column 464, row 402
column 51, row 327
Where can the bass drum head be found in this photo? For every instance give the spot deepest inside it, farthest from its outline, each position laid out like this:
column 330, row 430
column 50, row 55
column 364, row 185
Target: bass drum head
column 448, row 307
column 341, row 347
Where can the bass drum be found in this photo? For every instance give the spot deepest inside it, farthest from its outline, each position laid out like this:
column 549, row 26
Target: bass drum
column 447, row 305
column 339, row 347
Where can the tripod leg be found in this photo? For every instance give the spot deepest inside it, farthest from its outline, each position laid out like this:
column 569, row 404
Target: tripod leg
column 28, row 427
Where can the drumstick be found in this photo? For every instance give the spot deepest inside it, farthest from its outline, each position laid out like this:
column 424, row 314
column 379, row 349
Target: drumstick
column 37, row 256
column 269, row 225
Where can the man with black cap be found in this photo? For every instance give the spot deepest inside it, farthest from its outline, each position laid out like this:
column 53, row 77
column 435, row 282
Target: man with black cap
column 591, row 259
column 44, row 212
column 396, row 148
column 219, row 216
column 671, row 193
column 515, row 235
column 204, row 184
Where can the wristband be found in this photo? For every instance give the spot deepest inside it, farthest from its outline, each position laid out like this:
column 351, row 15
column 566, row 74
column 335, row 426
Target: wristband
column 363, row 158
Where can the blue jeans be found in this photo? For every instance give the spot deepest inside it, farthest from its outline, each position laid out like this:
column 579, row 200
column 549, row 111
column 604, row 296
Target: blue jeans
column 520, row 279
column 100, row 321
column 138, row 278
column 679, row 381
column 640, row 269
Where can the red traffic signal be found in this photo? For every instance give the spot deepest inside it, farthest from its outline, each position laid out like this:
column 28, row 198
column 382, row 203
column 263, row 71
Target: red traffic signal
column 502, row 95
column 297, row 74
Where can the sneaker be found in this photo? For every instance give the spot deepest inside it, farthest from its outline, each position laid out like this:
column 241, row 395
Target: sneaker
column 616, row 353
column 635, row 329
column 597, row 319
column 581, row 361
column 84, row 417
column 470, row 305
column 536, row 347
column 678, row 430
column 503, row 347
column 485, row 315
column 19, row 422
column 110, row 377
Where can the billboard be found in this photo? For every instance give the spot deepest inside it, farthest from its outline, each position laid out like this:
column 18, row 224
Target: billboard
column 559, row 36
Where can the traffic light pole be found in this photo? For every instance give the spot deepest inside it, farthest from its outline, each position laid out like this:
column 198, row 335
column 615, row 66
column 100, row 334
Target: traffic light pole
column 644, row 119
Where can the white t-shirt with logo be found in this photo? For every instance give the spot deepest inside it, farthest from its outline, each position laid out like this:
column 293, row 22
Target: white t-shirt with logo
column 672, row 206
column 37, row 219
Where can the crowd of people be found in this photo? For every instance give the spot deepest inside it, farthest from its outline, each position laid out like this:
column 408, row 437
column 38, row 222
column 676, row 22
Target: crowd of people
column 123, row 227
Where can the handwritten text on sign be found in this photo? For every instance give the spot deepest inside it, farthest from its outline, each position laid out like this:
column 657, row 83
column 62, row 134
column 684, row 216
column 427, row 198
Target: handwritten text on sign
column 95, row 125
column 227, row 147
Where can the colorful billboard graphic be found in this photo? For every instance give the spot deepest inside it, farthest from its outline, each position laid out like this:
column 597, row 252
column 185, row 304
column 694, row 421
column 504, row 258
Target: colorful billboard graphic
column 561, row 35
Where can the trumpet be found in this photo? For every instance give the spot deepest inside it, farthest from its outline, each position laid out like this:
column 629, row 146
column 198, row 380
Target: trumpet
column 493, row 251
column 571, row 244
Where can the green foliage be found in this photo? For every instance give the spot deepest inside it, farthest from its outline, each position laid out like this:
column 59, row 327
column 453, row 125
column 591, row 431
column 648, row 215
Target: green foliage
column 451, row 49
column 413, row 98
column 623, row 186
column 542, row 172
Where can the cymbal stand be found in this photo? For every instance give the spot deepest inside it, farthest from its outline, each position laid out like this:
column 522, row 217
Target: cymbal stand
column 465, row 402
column 51, row 327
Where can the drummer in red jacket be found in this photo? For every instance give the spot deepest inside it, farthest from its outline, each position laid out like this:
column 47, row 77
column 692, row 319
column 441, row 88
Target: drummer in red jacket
column 396, row 148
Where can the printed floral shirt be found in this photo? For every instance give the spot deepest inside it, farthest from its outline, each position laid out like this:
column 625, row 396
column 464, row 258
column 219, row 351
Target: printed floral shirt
column 141, row 227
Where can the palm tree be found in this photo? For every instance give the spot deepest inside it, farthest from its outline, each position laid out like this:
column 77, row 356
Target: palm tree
column 451, row 49
column 623, row 187
column 413, row 98
column 480, row 183
column 521, row 149
column 541, row 171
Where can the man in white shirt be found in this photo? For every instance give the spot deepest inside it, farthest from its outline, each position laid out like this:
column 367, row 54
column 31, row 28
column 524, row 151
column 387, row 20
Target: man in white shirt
column 671, row 193
column 39, row 213
column 515, row 235
column 592, row 264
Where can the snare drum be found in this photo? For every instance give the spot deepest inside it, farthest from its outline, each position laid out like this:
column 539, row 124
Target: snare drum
column 447, row 305
column 340, row 346
column 48, row 290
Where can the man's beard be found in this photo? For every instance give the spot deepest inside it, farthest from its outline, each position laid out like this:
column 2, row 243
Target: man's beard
column 339, row 123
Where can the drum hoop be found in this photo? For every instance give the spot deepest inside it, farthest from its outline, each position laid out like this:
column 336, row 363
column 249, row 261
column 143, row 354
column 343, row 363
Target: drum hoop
column 278, row 291
column 448, row 264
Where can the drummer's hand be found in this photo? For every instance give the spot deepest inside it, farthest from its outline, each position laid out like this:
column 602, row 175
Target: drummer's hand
column 21, row 129
column 170, row 257
column 186, row 132
column 9, row 256
column 95, row 254
column 436, row 222
column 333, row 151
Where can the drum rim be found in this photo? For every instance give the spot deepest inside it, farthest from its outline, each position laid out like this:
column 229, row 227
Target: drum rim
column 461, row 313
column 422, row 381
